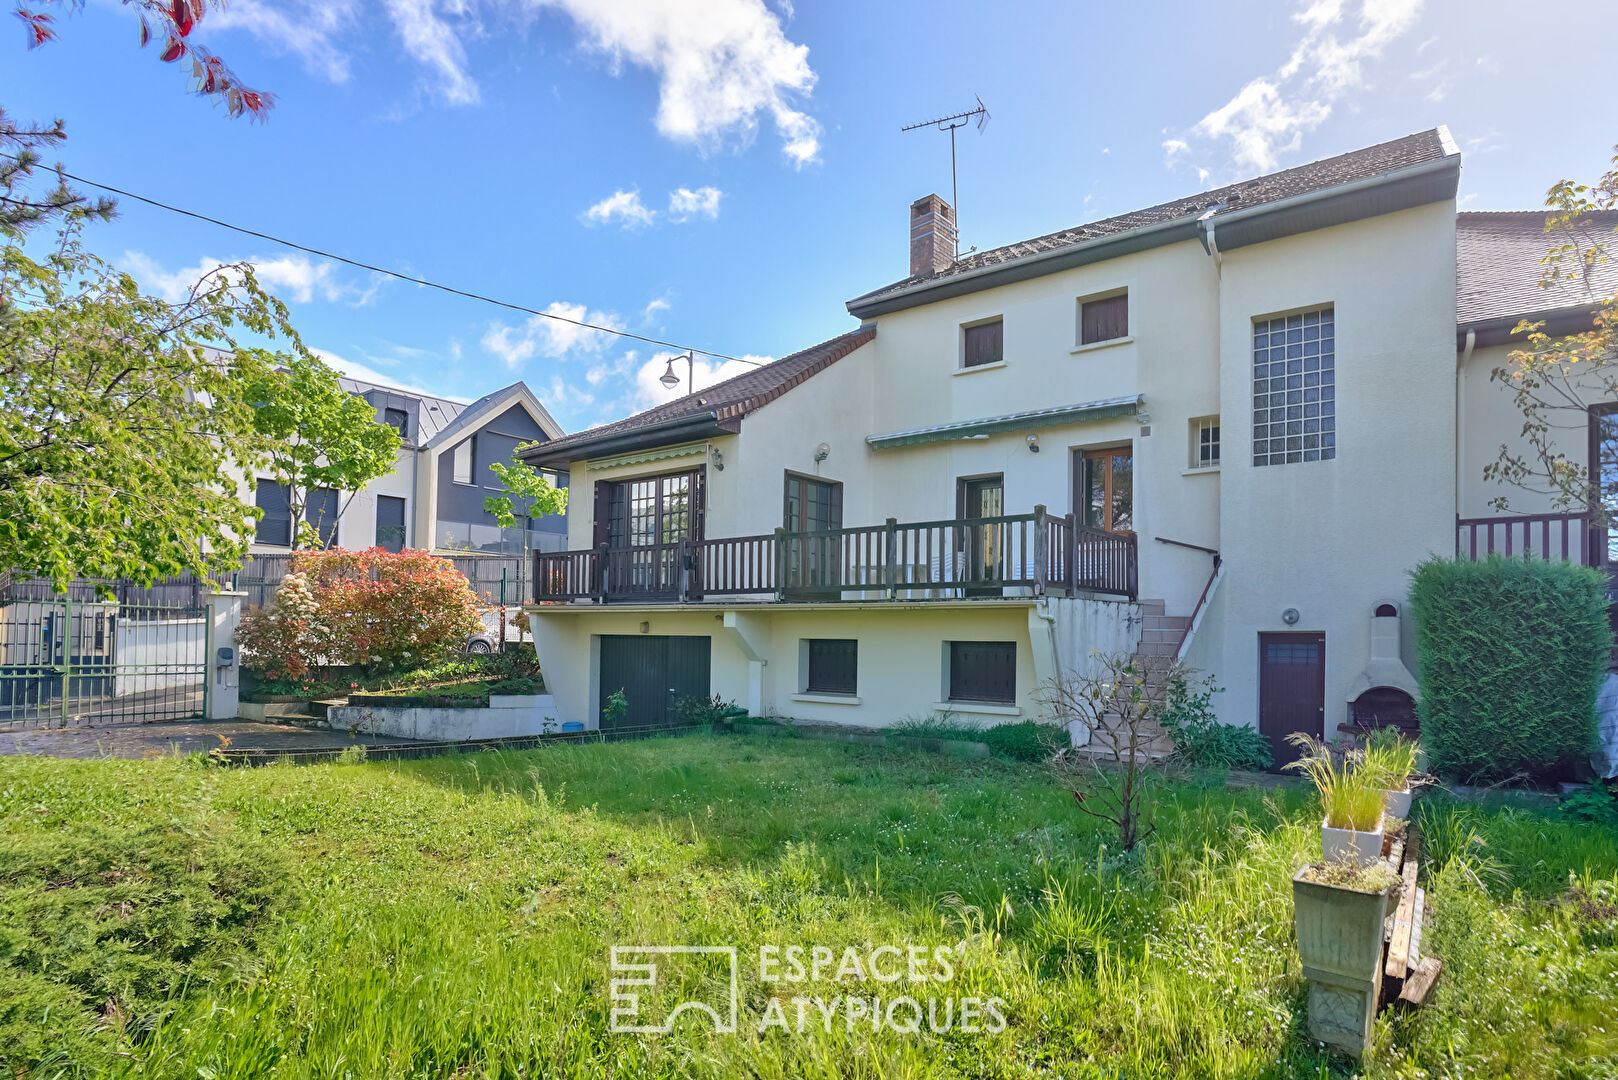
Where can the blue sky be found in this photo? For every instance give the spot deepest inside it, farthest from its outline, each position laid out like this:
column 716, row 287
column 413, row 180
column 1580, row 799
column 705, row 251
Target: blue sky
column 726, row 173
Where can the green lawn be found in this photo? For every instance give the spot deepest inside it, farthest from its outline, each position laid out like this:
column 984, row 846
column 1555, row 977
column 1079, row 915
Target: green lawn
column 452, row 918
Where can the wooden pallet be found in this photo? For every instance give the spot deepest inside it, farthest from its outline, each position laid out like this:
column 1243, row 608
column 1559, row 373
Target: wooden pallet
column 1407, row 975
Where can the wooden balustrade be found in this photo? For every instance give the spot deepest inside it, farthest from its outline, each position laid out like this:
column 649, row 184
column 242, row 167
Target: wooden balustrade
column 1033, row 554
column 1558, row 537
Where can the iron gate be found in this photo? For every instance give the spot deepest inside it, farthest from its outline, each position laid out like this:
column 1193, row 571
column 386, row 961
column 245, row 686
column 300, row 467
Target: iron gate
column 76, row 657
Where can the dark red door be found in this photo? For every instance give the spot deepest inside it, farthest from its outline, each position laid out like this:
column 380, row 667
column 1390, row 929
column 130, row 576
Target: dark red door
column 1291, row 690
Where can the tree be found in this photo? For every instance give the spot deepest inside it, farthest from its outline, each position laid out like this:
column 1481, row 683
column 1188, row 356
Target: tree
column 319, row 437
column 1555, row 379
column 123, row 418
column 1122, row 700
column 535, row 495
column 170, row 23
column 20, row 209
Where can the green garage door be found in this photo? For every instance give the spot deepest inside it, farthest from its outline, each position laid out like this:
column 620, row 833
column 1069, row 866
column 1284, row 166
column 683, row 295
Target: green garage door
column 655, row 674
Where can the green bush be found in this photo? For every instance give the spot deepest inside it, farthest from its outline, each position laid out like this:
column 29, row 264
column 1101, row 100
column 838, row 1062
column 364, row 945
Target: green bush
column 1025, row 741
column 1201, row 740
column 1511, row 653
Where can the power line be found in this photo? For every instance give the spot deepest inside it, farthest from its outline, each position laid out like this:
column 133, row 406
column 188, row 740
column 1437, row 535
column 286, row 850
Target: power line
column 396, row 274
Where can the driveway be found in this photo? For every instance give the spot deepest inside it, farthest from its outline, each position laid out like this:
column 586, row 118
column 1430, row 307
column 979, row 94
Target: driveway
column 182, row 737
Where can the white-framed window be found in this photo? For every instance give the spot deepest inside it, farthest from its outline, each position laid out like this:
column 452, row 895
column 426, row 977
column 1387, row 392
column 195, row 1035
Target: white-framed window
column 1103, row 318
column 1204, row 442
column 1295, row 388
column 462, row 473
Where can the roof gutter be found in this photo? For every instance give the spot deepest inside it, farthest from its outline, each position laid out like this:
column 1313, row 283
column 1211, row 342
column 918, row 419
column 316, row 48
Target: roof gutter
column 1127, row 243
column 665, row 432
column 1497, row 330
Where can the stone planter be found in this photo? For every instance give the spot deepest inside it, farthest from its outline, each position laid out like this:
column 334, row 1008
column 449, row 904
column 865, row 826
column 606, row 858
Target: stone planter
column 1349, row 845
column 1397, row 803
column 1340, row 943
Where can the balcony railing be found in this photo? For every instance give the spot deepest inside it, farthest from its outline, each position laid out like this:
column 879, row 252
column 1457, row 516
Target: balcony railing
column 1018, row 554
column 1557, row 537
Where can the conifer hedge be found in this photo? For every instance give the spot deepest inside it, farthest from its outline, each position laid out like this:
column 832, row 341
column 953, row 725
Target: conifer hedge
column 1511, row 654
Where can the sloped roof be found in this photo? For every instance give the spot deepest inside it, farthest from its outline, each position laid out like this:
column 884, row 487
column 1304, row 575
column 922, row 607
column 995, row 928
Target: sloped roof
column 724, row 403
column 1383, row 159
column 1498, row 266
column 484, row 408
column 433, row 414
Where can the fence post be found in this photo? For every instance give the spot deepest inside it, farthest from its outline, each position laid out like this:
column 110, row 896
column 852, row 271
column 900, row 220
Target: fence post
column 1133, row 552
column 1042, row 549
column 682, row 553
column 67, row 650
column 780, row 562
column 891, row 574
column 503, row 572
column 1072, row 554
column 601, row 574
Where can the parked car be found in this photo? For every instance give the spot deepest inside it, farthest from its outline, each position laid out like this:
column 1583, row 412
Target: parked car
column 487, row 640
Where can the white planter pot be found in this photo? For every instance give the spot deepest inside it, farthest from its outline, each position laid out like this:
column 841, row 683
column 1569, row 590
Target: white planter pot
column 1347, row 845
column 1396, row 804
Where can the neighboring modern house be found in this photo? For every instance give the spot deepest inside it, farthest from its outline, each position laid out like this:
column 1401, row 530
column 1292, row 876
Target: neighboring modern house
column 1223, row 428
column 433, row 499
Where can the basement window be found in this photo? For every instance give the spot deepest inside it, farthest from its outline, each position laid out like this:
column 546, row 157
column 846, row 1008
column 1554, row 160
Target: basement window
column 833, row 666
column 983, row 671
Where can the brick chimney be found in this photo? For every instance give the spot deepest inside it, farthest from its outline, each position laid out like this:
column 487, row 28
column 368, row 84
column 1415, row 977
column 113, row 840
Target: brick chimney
column 932, row 236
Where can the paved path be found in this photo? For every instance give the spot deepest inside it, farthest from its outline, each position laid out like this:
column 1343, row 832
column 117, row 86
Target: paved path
column 183, row 737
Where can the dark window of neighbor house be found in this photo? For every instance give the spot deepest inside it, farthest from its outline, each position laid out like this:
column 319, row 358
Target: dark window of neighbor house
column 833, row 666
column 463, row 461
column 275, row 527
column 984, row 344
column 398, row 420
column 320, row 511
column 1104, row 320
column 1295, row 388
column 390, row 522
column 983, row 671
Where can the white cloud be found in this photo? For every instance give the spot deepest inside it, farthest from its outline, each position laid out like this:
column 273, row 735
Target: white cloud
column 721, row 65
column 685, row 204
column 1176, row 146
column 434, row 42
column 298, row 278
column 654, row 308
column 623, row 207
column 539, row 336
column 304, row 29
column 1271, row 114
column 355, row 370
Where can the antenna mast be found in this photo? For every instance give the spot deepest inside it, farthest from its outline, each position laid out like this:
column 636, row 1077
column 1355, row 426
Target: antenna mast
column 950, row 124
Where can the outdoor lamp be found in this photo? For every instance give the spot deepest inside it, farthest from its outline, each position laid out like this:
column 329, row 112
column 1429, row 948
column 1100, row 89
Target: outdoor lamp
column 671, row 380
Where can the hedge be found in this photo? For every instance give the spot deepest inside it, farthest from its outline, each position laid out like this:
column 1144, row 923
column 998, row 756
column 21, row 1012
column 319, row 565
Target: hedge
column 1511, row 653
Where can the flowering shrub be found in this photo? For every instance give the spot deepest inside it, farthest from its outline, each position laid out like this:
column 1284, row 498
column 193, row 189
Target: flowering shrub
column 375, row 609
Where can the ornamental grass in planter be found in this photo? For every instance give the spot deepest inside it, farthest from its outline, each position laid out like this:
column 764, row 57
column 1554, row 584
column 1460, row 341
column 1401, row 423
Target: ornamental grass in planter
column 1351, row 830
column 1387, row 763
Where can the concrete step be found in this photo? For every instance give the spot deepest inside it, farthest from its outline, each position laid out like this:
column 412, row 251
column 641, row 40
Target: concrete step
column 1151, row 607
column 318, row 709
column 1158, row 648
column 1165, row 622
column 1162, row 634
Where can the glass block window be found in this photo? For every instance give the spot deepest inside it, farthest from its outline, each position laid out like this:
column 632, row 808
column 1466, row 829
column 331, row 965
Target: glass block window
column 1205, row 442
column 1294, row 388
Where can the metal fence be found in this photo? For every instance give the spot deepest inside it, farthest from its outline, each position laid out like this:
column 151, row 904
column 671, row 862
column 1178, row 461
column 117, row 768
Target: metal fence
column 497, row 579
column 79, row 655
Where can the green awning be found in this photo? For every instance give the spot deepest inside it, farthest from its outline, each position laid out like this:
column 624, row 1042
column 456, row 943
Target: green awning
column 1105, row 409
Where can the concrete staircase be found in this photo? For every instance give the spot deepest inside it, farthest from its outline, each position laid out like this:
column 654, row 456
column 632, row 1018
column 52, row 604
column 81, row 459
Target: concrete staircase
column 1159, row 639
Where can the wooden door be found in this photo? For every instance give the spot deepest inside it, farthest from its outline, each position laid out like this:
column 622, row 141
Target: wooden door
column 647, row 519
column 1104, row 489
column 1291, row 690
column 655, row 673
column 984, row 558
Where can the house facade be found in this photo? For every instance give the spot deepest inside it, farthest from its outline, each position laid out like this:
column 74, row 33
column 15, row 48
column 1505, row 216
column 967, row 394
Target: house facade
column 1223, row 428
column 433, row 499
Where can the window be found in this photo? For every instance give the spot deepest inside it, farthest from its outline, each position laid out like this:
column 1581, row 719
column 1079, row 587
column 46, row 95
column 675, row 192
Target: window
column 983, row 344
column 320, row 511
column 1106, row 489
column 275, row 527
column 1294, row 388
column 812, row 504
column 1104, row 319
column 983, row 671
column 1205, row 442
column 833, row 666
column 463, row 462
column 390, row 522
column 398, row 420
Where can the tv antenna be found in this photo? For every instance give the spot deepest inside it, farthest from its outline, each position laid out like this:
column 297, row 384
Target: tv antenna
column 951, row 124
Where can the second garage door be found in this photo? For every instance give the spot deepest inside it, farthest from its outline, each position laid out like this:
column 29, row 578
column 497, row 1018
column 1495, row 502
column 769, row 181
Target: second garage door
column 655, row 674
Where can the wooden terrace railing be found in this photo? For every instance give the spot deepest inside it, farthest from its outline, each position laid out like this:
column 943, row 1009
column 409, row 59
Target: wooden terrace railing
column 1034, row 554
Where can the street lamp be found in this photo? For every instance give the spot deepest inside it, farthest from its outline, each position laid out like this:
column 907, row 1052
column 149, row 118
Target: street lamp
column 671, row 380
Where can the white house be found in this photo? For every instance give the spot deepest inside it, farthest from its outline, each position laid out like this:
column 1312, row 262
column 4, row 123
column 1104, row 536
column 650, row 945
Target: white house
column 1224, row 427
column 433, row 499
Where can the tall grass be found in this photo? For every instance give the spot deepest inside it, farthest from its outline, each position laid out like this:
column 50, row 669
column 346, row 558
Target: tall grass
column 456, row 915
column 1388, row 760
column 1349, row 800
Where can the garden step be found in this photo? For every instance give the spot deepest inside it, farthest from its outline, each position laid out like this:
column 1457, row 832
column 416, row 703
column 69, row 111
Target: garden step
column 1163, row 633
column 1165, row 622
column 1150, row 608
column 1157, row 648
column 319, row 709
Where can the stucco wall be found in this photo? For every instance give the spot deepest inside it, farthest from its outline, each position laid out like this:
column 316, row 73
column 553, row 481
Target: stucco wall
column 1332, row 538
